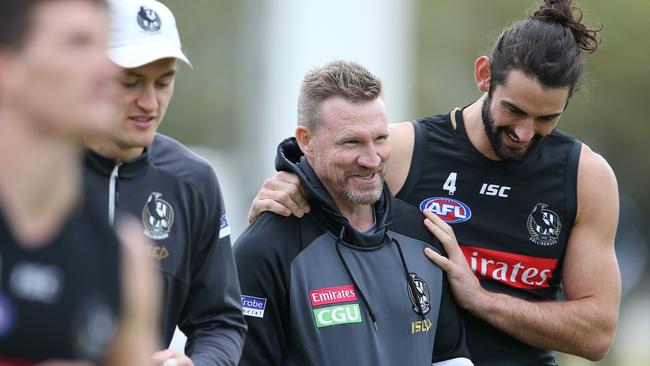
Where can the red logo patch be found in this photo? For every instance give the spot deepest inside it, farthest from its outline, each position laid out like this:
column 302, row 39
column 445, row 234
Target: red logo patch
column 514, row 270
column 332, row 295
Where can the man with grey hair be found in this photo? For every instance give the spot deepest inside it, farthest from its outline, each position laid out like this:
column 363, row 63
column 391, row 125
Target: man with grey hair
column 346, row 284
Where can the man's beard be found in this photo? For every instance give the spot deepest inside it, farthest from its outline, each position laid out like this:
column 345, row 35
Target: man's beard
column 369, row 196
column 503, row 152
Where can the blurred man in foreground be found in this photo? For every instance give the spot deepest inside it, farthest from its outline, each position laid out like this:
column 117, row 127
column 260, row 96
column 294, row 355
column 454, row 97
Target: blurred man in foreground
column 62, row 294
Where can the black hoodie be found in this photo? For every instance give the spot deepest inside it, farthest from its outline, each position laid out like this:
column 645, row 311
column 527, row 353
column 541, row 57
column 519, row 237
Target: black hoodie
column 318, row 292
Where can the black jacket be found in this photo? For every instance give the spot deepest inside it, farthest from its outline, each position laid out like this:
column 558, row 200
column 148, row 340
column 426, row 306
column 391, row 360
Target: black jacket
column 176, row 195
column 318, row 292
column 62, row 300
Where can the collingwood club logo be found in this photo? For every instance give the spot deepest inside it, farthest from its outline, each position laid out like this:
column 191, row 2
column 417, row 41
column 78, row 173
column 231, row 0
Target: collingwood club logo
column 543, row 225
column 157, row 217
column 422, row 295
column 148, row 20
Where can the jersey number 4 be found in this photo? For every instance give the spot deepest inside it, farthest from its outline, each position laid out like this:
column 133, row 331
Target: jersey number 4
column 450, row 183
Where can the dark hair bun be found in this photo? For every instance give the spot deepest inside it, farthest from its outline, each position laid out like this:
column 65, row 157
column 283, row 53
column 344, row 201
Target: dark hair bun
column 562, row 12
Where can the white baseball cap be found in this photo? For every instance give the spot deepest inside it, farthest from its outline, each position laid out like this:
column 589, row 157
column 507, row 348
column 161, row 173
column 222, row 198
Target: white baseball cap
column 141, row 32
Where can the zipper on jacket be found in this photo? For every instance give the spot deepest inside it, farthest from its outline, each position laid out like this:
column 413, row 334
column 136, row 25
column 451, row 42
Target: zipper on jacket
column 111, row 193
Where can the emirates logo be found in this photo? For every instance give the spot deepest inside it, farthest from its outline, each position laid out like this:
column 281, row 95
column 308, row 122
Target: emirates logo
column 510, row 269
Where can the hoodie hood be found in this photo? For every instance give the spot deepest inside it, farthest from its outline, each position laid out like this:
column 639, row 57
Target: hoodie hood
column 291, row 159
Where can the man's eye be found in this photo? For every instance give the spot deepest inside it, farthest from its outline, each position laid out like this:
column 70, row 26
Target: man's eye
column 547, row 119
column 129, row 83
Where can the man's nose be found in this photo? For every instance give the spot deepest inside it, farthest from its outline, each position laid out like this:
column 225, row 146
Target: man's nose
column 147, row 100
column 369, row 158
column 525, row 129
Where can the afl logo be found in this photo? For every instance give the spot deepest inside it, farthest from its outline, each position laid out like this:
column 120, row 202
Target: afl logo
column 148, row 20
column 450, row 210
column 157, row 217
column 421, row 296
column 543, row 225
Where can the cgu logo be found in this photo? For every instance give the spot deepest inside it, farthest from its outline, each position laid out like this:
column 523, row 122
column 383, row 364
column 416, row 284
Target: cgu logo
column 334, row 315
column 450, row 210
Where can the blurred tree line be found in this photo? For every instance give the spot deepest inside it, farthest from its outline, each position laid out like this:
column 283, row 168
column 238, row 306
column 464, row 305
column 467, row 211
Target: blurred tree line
column 204, row 108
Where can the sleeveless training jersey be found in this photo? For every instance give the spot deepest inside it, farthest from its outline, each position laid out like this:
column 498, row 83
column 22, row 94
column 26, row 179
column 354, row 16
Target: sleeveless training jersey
column 62, row 300
column 512, row 219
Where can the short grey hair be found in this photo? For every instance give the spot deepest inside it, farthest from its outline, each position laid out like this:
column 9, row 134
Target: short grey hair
column 346, row 79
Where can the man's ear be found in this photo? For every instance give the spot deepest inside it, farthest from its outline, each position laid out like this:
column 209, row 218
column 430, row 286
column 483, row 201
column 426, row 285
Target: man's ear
column 482, row 73
column 304, row 138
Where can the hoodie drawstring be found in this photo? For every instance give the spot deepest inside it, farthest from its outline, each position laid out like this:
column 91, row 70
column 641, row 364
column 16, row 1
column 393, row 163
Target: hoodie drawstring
column 409, row 279
column 354, row 282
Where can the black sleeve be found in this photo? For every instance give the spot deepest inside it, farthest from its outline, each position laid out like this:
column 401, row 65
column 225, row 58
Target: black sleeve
column 211, row 317
column 450, row 341
column 264, row 253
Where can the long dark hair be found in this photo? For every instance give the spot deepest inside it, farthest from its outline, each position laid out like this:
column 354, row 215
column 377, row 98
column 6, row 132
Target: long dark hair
column 547, row 46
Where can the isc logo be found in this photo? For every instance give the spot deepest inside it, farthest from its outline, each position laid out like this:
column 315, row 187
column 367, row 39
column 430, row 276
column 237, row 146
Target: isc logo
column 494, row 190
column 450, row 210
column 421, row 326
column 158, row 252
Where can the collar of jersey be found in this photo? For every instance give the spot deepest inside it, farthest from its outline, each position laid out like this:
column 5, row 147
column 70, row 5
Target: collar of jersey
column 128, row 169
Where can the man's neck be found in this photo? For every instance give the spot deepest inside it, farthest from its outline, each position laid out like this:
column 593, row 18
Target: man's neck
column 108, row 149
column 40, row 179
column 361, row 217
column 473, row 121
